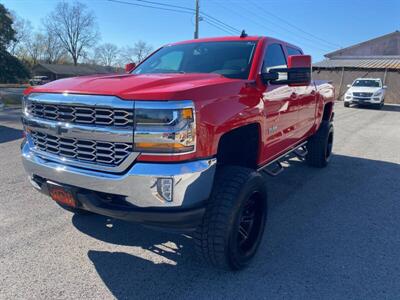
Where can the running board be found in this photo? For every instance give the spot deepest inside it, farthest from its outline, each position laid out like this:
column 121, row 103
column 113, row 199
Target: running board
column 299, row 151
column 276, row 171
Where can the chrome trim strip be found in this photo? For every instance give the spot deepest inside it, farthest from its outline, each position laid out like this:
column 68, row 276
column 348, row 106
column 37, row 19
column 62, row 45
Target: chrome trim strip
column 84, row 132
column 176, row 104
column 81, row 100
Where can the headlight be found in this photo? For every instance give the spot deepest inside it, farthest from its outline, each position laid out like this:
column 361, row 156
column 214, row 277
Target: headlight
column 378, row 93
column 164, row 127
column 25, row 106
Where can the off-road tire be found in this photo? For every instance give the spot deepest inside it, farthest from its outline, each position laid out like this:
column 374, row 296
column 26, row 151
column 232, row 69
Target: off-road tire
column 217, row 239
column 319, row 146
column 346, row 104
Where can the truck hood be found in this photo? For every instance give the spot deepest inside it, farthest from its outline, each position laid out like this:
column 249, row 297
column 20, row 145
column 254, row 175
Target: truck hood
column 130, row 86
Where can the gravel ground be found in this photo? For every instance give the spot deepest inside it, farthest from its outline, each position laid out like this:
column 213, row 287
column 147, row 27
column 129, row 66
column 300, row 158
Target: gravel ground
column 331, row 233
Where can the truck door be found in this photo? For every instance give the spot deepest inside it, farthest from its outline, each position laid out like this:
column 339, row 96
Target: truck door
column 307, row 101
column 281, row 104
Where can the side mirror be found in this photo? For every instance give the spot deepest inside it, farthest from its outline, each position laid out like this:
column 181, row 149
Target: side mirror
column 349, row 85
column 129, row 67
column 298, row 72
column 385, row 86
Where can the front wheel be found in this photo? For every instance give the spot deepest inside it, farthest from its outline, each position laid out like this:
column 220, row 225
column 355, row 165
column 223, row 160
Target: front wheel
column 346, row 104
column 234, row 222
column 380, row 105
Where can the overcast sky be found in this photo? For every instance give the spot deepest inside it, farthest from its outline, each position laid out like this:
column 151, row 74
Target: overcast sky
column 318, row 26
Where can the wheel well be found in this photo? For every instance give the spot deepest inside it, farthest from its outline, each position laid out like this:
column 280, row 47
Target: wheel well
column 240, row 147
column 327, row 111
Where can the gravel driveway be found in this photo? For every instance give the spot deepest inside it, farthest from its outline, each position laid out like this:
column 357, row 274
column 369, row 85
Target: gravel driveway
column 331, row 233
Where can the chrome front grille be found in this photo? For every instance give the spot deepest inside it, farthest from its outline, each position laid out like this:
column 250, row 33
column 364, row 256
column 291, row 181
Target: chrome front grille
column 85, row 131
column 88, row 115
column 364, row 95
column 110, row 153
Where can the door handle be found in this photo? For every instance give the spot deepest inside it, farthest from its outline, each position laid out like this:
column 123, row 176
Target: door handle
column 313, row 93
column 293, row 95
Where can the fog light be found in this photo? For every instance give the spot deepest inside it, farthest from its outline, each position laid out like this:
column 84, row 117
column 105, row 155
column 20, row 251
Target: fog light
column 165, row 188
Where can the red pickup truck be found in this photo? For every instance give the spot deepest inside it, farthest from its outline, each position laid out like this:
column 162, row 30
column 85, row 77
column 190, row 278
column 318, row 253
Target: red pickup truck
column 180, row 141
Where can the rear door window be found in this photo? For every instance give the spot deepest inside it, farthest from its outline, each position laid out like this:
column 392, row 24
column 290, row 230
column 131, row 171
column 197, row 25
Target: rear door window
column 293, row 51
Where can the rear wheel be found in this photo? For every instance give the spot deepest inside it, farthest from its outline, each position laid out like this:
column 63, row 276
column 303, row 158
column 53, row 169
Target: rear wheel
column 320, row 146
column 234, row 222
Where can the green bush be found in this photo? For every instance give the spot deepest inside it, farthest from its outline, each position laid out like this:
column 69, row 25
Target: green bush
column 11, row 69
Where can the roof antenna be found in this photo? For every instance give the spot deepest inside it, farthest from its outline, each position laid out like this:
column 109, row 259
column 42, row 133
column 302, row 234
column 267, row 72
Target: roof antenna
column 243, row 34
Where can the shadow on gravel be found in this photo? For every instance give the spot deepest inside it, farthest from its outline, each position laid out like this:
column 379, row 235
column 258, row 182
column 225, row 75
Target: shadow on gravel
column 391, row 108
column 386, row 107
column 331, row 233
column 8, row 134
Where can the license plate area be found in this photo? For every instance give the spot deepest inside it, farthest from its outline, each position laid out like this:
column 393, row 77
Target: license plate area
column 61, row 195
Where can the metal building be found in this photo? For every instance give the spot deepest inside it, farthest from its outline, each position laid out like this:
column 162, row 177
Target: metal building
column 377, row 58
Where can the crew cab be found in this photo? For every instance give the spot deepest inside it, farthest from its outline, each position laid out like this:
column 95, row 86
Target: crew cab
column 365, row 91
column 181, row 141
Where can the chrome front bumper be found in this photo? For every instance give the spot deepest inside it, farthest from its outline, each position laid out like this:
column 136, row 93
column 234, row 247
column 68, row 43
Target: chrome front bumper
column 192, row 181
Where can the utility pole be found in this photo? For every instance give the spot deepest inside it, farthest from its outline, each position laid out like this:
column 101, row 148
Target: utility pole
column 196, row 25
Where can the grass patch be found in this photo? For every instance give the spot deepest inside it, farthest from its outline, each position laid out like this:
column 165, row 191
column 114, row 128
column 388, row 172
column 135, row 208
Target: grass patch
column 11, row 100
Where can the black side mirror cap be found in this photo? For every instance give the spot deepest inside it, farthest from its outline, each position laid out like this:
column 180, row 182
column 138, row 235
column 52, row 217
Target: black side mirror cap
column 270, row 76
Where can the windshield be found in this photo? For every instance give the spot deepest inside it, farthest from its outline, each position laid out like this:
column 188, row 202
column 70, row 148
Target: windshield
column 230, row 59
column 367, row 83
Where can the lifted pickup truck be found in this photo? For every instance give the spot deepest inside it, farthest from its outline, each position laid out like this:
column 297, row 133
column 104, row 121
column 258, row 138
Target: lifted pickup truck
column 180, row 141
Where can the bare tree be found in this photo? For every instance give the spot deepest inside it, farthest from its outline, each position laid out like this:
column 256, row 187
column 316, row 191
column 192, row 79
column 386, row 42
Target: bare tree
column 137, row 53
column 142, row 50
column 74, row 26
column 107, row 54
column 23, row 33
column 53, row 48
column 36, row 48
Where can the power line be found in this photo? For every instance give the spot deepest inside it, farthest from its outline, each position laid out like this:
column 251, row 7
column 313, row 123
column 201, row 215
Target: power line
column 320, row 47
column 150, row 6
column 181, row 9
column 220, row 22
column 217, row 26
column 294, row 26
column 165, row 4
column 252, row 19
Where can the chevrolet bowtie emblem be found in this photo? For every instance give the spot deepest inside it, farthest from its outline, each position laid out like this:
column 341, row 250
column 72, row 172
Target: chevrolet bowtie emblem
column 59, row 129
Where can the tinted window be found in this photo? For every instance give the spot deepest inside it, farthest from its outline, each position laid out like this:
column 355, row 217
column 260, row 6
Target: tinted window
column 274, row 58
column 171, row 61
column 293, row 51
column 230, row 59
column 367, row 83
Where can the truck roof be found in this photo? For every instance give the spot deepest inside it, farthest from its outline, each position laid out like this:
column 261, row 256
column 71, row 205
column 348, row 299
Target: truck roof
column 234, row 38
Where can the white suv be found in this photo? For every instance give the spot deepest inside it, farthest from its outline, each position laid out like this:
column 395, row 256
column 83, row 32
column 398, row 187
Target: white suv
column 365, row 91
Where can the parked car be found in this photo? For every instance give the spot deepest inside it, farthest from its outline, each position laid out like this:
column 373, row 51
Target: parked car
column 181, row 141
column 365, row 91
column 38, row 80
